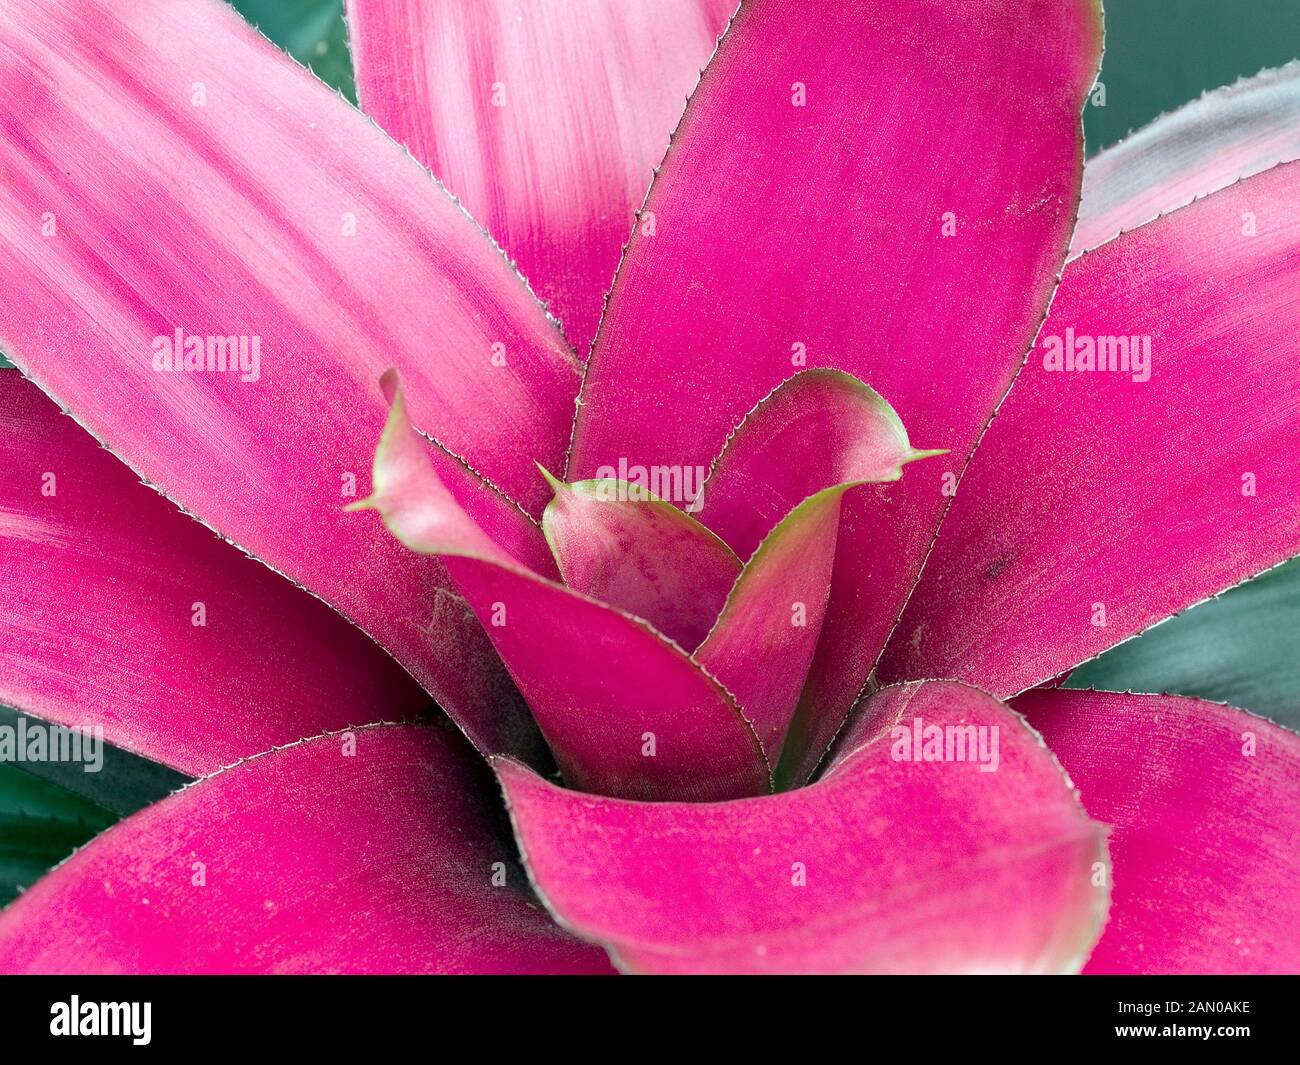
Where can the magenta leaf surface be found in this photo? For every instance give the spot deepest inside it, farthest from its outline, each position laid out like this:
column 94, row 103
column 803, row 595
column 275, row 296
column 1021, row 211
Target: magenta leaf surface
column 818, row 430
column 1204, row 801
column 1091, row 483
column 766, row 635
column 624, row 710
column 153, row 192
column 884, row 865
column 912, row 268
column 118, row 611
column 209, row 261
column 373, row 851
column 547, row 119
column 614, row 543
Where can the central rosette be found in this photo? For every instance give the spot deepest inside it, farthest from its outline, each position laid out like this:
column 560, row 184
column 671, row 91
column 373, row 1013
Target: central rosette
column 668, row 648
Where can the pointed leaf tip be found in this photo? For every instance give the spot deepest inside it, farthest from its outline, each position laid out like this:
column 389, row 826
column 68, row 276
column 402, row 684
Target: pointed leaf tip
column 818, row 429
column 556, row 484
column 599, row 721
column 821, row 431
column 642, row 555
column 899, row 312
column 94, row 574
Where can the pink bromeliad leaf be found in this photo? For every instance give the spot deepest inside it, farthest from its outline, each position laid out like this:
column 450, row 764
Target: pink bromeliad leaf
column 1090, row 484
column 105, row 584
column 1204, row 801
column 819, row 429
column 816, row 434
column 924, row 273
column 373, row 851
column 640, row 554
column 547, row 119
column 764, row 640
column 884, row 865
column 780, row 480
column 166, row 169
column 625, row 711
column 1209, row 144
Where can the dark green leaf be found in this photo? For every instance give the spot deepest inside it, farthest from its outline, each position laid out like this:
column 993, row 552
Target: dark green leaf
column 40, row 825
column 1159, row 56
column 312, row 31
column 124, row 783
column 48, row 809
column 1242, row 648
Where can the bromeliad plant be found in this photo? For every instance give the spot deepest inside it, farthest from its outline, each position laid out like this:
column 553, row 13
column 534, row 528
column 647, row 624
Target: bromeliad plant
column 757, row 697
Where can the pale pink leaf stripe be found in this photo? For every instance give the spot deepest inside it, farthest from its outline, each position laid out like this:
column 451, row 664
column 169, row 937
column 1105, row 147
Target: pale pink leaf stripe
column 169, row 169
column 547, row 118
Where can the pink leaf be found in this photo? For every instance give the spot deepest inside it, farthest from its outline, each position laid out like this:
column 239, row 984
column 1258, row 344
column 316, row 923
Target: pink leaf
column 168, row 169
column 547, row 119
column 923, row 271
column 1100, row 503
column 884, row 865
column 118, row 611
column 1205, row 804
column 819, row 429
column 764, row 640
column 373, row 851
column 1202, row 147
column 624, row 710
column 641, row 555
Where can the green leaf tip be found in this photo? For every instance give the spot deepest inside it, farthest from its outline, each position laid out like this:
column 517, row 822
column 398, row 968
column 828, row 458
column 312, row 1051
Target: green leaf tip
column 555, row 483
